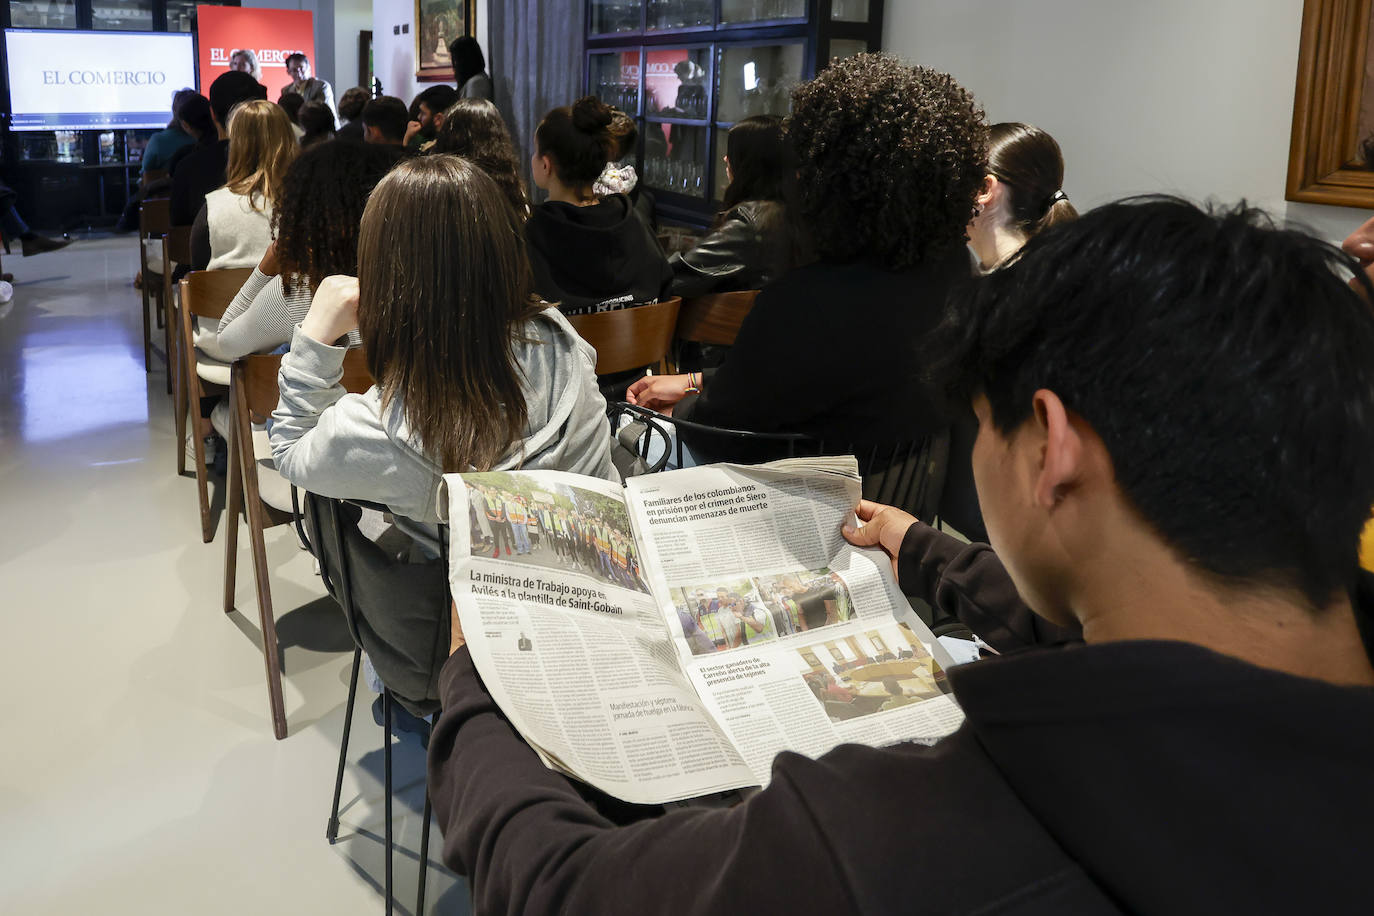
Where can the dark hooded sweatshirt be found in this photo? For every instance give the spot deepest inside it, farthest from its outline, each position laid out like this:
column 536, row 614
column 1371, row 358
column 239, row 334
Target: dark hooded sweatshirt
column 1129, row 777
column 596, row 258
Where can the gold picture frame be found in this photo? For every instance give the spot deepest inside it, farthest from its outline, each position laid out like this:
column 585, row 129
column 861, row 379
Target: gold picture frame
column 1333, row 106
column 438, row 22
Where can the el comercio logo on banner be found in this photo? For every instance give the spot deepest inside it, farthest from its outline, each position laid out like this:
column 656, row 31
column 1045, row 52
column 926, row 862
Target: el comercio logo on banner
column 272, row 35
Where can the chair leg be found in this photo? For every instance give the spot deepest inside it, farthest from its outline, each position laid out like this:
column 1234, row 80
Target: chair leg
column 147, row 331
column 167, row 335
column 266, row 620
column 386, row 755
column 234, row 505
column 424, row 848
column 331, row 832
column 202, row 472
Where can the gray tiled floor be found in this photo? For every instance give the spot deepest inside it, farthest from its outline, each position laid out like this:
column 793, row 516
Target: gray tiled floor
column 138, row 772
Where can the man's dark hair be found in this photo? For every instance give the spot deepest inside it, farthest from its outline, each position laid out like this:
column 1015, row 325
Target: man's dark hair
column 891, row 157
column 229, row 89
column 388, row 114
column 291, row 103
column 351, row 103
column 1225, row 364
column 436, row 98
column 468, row 59
column 195, row 112
column 178, row 99
column 317, row 121
column 322, row 200
column 293, row 57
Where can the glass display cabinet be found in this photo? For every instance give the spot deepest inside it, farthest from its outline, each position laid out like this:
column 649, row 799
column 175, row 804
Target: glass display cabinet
column 688, row 70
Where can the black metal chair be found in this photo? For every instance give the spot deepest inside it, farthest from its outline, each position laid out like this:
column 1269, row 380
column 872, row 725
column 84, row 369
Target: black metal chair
column 347, row 558
column 909, row 474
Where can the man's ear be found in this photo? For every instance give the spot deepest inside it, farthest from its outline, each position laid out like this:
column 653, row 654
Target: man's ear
column 438, row 120
column 1061, row 449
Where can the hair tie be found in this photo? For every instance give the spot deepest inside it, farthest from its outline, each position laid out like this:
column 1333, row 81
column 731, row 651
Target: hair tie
column 1056, row 197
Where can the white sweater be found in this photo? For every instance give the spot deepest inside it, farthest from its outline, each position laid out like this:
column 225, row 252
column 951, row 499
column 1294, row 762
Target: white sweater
column 239, row 234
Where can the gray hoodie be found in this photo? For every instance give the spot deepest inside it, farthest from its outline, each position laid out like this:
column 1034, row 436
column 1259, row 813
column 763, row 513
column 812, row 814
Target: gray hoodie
column 345, row 445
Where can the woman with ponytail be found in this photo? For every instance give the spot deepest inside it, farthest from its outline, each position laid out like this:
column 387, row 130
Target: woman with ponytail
column 1021, row 195
column 589, row 253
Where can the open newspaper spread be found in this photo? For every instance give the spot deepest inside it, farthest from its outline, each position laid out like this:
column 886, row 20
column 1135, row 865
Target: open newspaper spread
column 666, row 640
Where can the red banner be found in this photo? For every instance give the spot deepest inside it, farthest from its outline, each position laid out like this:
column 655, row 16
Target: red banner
column 270, row 34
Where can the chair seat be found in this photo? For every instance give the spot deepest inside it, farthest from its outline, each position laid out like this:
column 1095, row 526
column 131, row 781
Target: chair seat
column 212, row 370
column 274, row 489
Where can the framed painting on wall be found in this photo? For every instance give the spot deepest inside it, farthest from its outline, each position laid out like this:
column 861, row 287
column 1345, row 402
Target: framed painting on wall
column 437, row 23
column 1331, row 154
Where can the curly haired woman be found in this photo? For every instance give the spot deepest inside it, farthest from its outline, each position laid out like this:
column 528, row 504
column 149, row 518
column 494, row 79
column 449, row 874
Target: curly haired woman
column 475, row 130
column 323, row 197
column 891, row 157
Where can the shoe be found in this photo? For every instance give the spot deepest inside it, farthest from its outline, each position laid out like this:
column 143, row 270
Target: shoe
column 507, row 551
column 495, row 554
column 403, row 721
column 33, row 243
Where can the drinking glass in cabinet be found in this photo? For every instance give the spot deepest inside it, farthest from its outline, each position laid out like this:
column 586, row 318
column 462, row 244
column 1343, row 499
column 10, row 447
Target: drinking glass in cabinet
column 849, row 10
column 615, row 79
column 675, row 158
column 675, row 82
column 680, row 14
column 756, row 80
column 611, row 16
column 761, row 10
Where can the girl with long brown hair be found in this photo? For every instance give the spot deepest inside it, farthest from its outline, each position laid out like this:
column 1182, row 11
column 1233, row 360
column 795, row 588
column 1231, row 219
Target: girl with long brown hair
column 234, row 227
column 471, row 372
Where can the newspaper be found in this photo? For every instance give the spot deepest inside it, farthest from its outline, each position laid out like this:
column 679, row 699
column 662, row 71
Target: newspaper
column 666, row 640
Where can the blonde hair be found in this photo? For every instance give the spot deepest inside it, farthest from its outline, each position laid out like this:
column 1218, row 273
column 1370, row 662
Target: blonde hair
column 255, row 68
column 261, row 147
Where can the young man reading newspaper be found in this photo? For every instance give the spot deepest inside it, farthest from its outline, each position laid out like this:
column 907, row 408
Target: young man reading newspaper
column 1175, row 459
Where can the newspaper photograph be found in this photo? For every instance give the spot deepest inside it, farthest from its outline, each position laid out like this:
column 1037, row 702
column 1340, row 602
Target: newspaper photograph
column 569, row 642
column 754, row 565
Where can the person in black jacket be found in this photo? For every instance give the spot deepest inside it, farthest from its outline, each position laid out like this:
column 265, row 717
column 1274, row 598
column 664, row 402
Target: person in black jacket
column 754, row 240
column 202, row 170
column 589, row 254
column 890, row 159
column 1174, row 464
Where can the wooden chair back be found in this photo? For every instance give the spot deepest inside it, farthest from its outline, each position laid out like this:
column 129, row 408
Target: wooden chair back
column 714, row 318
column 179, row 244
column 151, row 175
column 155, row 217
column 208, row 293
column 629, row 338
column 262, row 392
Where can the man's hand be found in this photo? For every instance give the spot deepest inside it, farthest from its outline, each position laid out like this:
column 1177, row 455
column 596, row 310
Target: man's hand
column 657, row 392
column 412, row 128
column 455, row 629
column 884, row 526
column 333, row 311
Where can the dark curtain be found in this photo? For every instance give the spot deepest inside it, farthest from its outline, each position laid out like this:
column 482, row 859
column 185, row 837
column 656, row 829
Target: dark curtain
column 535, row 61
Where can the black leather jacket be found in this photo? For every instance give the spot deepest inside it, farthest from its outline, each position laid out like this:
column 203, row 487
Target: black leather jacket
column 748, row 250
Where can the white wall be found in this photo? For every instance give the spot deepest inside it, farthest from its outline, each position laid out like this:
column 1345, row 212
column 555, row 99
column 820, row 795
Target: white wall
column 1193, row 97
column 394, row 55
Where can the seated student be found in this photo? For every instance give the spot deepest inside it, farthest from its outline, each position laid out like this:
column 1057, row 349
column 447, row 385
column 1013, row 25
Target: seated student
column 472, row 373
column 316, row 225
column 1021, row 195
column 234, row 227
column 384, row 121
column 291, row 103
column 475, row 130
column 1148, row 488
column 350, row 114
column 619, row 176
column 202, row 170
column 427, row 116
column 890, row 159
column 316, row 122
column 589, row 254
column 754, row 240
